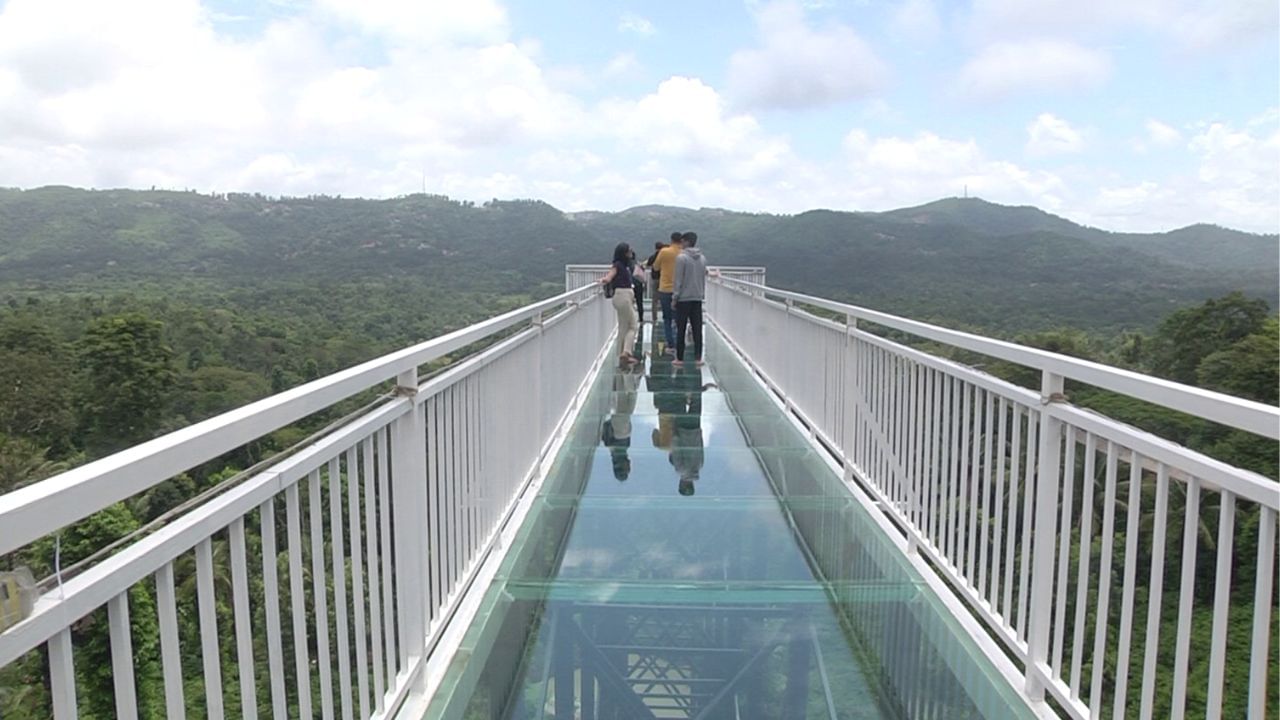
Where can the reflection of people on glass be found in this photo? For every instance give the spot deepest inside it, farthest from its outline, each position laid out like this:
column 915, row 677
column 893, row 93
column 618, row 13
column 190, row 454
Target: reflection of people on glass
column 616, row 434
column 666, row 400
column 687, row 453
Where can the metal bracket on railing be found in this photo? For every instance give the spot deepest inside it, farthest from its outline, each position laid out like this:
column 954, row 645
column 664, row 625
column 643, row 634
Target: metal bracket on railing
column 537, row 321
column 17, row 596
column 407, row 383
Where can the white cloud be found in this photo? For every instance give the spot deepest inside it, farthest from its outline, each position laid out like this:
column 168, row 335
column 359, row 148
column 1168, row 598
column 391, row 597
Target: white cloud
column 1000, row 19
column 916, row 20
column 927, row 154
column 800, row 67
column 91, row 73
column 1268, row 117
column 894, row 172
column 632, row 23
column 1235, row 182
column 560, row 162
column 686, row 119
column 138, row 92
column 342, row 98
column 1051, row 135
column 1240, row 172
column 424, row 21
column 621, row 64
column 1033, row 66
column 880, row 109
column 1159, row 133
column 582, row 79
column 468, row 96
column 1222, row 25
column 1192, row 24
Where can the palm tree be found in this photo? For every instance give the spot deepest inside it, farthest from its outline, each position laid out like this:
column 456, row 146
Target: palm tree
column 22, row 462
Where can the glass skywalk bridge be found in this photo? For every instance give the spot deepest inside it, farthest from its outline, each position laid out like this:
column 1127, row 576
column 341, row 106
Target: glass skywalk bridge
column 823, row 522
column 668, row 570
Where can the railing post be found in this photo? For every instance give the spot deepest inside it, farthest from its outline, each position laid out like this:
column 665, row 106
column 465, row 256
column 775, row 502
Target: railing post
column 788, row 352
column 539, row 411
column 1045, row 536
column 847, row 395
column 408, row 490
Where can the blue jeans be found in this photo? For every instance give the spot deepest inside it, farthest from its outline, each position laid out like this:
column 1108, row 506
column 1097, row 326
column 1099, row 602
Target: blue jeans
column 668, row 319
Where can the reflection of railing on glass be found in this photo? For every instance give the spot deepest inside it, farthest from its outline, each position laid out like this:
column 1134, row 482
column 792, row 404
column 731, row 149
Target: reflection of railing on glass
column 1009, row 492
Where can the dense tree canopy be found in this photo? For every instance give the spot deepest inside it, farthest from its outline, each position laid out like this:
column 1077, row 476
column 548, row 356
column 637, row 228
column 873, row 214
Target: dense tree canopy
column 1248, row 367
column 1187, row 336
column 128, row 372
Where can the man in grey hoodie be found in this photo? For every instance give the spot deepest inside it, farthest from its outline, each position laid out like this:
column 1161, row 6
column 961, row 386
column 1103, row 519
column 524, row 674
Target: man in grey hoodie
column 688, row 292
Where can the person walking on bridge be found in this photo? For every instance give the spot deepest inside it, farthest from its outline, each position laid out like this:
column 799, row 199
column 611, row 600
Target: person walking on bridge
column 638, row 284
column 664, row 269
column 618, row 286
column 689, row 289
column 654, row 277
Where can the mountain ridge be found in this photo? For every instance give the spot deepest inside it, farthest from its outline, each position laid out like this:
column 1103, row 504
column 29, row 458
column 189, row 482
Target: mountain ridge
column 957, row 261
column 942, row 204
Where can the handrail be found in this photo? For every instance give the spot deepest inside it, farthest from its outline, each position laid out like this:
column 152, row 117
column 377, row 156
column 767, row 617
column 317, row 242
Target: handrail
column 88, row 591
column 1248, row 415
column 32, row 512
column 1247, row 484
column 998, row 486
column 603, row 267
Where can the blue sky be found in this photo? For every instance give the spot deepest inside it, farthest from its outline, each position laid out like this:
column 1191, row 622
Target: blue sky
column 1138, row 115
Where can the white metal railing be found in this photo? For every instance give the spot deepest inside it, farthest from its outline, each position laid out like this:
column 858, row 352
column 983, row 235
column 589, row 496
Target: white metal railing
column 379, row 526
column 1017, row 497
column 579, row 275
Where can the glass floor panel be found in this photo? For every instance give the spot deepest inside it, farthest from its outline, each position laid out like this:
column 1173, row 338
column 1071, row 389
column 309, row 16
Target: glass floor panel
column 691, row 555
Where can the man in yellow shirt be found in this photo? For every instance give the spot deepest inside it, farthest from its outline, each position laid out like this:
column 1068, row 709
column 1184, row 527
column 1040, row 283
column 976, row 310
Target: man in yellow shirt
column 665, row 267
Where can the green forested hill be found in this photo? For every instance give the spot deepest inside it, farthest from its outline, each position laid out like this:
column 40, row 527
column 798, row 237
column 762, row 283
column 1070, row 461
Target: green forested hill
column 974, row 263
column 62, row 235
column 1198, row 246
column 962, row 262
column 981, row 216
